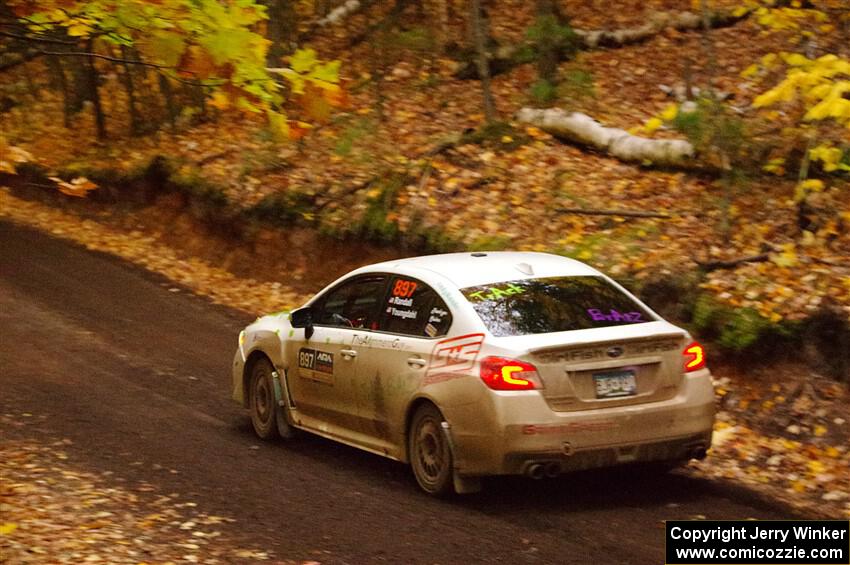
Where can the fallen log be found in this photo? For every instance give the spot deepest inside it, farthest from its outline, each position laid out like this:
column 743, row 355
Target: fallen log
column 715, row 265
column 334, row 17
column 658, row 22
column 505, row 57
column 580, row 128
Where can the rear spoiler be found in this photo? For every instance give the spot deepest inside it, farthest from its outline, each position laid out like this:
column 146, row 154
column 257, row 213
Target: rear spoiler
column 580, row 344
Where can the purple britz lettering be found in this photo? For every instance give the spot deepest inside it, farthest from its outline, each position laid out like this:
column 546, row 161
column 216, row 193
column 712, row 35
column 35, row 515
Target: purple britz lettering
column 596, row 314
column 614, row 316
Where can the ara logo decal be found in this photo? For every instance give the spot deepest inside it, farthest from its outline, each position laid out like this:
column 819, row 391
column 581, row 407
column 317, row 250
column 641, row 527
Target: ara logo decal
column 453, row 357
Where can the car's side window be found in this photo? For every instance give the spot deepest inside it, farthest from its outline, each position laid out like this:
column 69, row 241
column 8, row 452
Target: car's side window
column 413, row 308
column 353, row 304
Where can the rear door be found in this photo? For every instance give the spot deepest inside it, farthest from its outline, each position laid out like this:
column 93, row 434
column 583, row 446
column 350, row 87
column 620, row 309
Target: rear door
column 394, row 360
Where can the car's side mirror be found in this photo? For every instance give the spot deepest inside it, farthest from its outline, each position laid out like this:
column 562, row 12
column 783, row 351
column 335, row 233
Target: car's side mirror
column 302, row 318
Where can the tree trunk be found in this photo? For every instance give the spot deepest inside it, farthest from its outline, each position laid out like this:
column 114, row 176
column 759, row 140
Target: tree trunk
column 92, row 79
column 129, row 87
column 321, row 8
column 377, row 48
column 168, row 94
column 547, row 48
column 440, row 17
column 80, row 87
column 54, row 63
column 477, row 23
column 281, row 29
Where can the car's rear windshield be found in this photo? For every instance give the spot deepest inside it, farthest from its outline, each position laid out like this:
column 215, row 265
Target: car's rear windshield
column 553, row 304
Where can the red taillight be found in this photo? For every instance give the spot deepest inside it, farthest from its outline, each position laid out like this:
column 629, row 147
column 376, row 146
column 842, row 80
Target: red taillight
column 694, row 357
column 501, row 373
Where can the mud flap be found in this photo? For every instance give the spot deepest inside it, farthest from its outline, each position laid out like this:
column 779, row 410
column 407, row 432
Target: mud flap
column 284, row 429
column 462, row 485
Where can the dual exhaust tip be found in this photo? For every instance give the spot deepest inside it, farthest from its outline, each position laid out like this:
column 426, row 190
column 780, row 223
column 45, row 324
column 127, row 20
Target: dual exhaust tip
column 551, row 469
column 538, row 471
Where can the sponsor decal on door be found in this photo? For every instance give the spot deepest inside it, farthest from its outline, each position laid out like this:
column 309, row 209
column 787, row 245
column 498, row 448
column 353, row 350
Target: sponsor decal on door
column 316, row 365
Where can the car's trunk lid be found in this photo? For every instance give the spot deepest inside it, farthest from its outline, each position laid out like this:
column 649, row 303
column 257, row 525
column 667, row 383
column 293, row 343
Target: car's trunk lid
column 606, row 367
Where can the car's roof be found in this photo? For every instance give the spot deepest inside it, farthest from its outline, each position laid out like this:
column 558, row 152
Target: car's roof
column 474, row 269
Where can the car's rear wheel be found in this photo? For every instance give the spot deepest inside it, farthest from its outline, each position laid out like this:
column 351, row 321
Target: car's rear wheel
column 262, row 400
column 429, row 451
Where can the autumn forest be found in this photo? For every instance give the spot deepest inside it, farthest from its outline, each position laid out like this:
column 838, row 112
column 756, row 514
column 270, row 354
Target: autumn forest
column 253, row 150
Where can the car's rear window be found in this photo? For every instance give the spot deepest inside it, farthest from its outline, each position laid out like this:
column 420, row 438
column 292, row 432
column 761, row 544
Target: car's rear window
column 554, row 304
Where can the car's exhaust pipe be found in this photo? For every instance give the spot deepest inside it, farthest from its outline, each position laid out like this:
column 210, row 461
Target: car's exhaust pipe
column 699, row 452
column 553, row 469
column 536, row 471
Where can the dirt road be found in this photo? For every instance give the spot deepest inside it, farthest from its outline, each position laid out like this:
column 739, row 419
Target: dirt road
column 135, row 372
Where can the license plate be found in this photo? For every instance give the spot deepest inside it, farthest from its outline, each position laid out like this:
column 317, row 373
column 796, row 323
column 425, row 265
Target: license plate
column 614, row 384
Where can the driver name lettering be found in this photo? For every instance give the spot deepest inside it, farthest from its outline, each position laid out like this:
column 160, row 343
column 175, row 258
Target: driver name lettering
column 614, row 316
column 398, row 301
column 404, row 314
column 496, row 292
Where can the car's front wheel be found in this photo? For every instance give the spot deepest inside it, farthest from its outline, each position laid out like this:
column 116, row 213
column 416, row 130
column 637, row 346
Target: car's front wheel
column 262, row 400
column 429, row 451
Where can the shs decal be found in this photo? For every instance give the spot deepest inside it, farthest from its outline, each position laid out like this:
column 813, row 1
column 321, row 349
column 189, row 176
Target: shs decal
column 453, row 358
column 316, row 365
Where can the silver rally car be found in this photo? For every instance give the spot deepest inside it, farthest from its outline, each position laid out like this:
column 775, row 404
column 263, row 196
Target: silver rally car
column 473, row 364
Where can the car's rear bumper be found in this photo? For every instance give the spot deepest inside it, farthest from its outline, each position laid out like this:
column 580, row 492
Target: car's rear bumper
column 513, row 431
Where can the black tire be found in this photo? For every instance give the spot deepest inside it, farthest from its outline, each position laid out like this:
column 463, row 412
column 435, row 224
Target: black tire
column 262, row 400
column 429, row 451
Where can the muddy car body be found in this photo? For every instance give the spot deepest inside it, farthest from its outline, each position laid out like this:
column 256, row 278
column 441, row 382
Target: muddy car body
column 474, row 364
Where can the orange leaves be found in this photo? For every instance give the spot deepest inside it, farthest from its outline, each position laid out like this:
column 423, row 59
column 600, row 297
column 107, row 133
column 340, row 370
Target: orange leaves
column 298, row 129
column 316, row 103
column 78, row 187
column 196, row 63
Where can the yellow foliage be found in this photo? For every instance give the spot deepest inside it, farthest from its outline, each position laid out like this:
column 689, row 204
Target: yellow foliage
column 829, row 156
column 220, row 100
column 807, row 186
column 820, row 82
column 787, row 258
column 750, row 71
column 278, row 125
column 775, row 166
column 795, row 59
column 816, row 467
column 652, row 124
column 670, row 112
